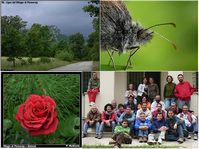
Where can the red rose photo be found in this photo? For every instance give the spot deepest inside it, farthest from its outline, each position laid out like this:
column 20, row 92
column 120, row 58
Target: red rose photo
column 41, row 109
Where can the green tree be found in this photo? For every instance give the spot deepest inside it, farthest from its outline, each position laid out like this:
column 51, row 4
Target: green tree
column 76, row 44
column 39, row 40
column 93, row 39
column 13, row 29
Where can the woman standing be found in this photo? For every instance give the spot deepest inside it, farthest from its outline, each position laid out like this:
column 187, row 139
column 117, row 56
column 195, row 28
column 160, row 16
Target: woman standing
column 142, row 90
column 93, row 88
column 169, row 92
column 153, row 89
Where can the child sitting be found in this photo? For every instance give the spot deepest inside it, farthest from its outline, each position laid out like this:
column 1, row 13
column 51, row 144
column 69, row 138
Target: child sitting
column 121, row 134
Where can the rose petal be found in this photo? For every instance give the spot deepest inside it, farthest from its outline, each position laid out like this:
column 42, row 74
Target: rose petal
column 50, row 129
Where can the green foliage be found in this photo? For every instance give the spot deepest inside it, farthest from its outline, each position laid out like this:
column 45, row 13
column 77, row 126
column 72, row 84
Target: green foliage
column 23, row 62
column 39, row 47
column 45, row 60
column 65, row 55
column 93, row 40
column 48, row 41
column 63, row 88
column 12, row 36
column 76, row 43
column 30, row 60
column 36, row 66
column 7, row 124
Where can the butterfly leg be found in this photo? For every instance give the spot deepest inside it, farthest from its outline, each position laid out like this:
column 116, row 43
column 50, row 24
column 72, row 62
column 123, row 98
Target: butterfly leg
column 111, row 58
column 109, row 63
column 129, row 59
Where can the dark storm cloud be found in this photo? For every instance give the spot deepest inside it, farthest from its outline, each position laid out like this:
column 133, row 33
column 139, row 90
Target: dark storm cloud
column 68, row 16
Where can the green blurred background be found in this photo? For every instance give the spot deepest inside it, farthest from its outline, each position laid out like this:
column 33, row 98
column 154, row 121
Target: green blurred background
column 158, row 54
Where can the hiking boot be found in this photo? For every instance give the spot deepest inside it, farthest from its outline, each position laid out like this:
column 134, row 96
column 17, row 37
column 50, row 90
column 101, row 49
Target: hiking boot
column 195, row 136
column 180, row 140
column 84, row 135
column 189, row 136
column 145, row 139
column 99, row 136
column 96, row 136
column 140, row 139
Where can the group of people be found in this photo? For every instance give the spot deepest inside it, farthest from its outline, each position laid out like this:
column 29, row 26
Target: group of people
column 145, row 116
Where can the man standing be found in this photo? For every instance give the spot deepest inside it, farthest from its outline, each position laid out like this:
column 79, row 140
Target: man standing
column 183, row 92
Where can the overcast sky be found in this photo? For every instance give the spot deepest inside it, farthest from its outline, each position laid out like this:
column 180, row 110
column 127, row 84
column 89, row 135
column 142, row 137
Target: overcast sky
column 68, row 16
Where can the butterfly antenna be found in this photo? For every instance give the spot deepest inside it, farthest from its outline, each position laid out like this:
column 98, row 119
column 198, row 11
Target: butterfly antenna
column 170, row 23
column 173, row 44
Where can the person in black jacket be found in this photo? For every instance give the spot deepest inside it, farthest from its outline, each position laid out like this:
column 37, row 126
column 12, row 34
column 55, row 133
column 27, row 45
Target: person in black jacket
column 174, row 128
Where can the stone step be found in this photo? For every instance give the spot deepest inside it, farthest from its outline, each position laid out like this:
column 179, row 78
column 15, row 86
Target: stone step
column 104, row 135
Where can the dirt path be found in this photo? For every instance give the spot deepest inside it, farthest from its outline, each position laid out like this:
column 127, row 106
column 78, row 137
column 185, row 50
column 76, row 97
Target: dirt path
column 80, row 66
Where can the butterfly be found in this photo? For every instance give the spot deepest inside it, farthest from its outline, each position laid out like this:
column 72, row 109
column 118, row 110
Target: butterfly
column 119, row 32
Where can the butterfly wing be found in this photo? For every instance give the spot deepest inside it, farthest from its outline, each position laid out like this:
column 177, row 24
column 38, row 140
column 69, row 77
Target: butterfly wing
column 116, row 24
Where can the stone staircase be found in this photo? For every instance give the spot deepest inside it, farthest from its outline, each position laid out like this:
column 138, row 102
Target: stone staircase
column 106, row 134
column 91, row 131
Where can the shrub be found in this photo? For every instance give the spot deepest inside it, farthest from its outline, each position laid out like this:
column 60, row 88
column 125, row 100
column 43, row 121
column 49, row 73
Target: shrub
column 23, row 62
column 10, row 59
column 45, row 60
column 65, row 55
column 30, row 61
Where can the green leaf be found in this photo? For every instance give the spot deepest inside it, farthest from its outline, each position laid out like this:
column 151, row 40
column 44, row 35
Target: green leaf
column 7, row 124
column 66, row 127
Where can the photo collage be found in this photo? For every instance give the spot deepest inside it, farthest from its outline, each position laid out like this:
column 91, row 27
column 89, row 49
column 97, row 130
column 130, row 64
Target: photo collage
column 80, row 74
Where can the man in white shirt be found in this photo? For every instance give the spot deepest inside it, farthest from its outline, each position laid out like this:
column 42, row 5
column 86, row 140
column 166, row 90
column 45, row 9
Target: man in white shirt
column 190, row 122
column 156, row 101
column 144, row 109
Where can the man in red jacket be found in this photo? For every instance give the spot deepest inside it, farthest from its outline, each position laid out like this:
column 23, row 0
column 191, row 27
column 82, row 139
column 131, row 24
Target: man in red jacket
column 108, row 118
column 183, row 92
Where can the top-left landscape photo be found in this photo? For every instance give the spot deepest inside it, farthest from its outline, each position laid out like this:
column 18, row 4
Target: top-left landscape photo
column 50, row 36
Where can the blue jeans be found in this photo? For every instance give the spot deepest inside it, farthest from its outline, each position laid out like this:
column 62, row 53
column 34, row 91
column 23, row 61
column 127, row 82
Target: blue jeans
column 193, row 128
column 101, row 128
column 168, row 102
column 143, row 133
column 181, row 103
column 180, row 131
column 86, row 126
column 175, row 136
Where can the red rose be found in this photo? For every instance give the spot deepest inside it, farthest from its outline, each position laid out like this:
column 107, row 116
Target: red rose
column 38, row 115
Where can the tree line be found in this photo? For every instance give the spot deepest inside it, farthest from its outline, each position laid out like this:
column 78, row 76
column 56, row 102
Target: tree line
column 48, row 41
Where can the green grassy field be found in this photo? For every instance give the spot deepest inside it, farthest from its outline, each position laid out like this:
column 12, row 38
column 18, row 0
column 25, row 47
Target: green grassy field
column 158, row 54
column 5, row 65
